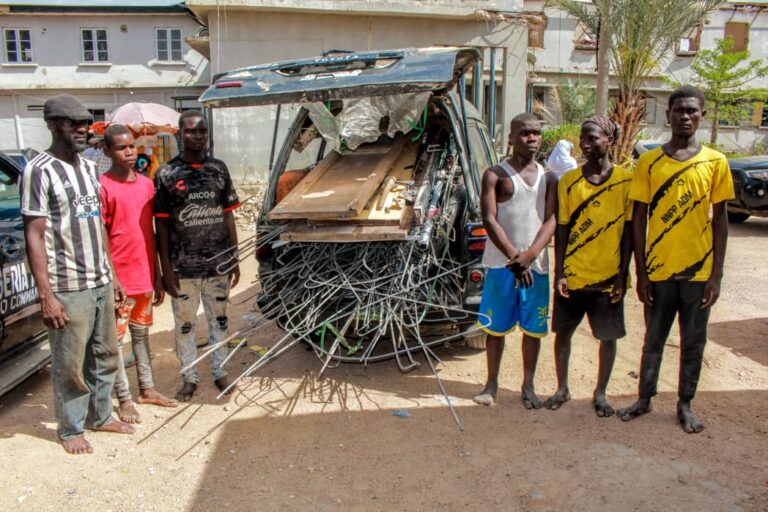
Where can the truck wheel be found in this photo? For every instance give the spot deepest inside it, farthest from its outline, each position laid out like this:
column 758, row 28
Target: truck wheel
column 737, row 217
column 476, row 340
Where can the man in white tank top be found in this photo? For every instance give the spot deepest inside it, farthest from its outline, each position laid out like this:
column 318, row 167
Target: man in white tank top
column 518, row 204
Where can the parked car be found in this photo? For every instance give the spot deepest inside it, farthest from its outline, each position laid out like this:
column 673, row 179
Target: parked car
column 383, row 156
column 750, row 183
column 23, row 339
column 644, row 146
column 21, row 156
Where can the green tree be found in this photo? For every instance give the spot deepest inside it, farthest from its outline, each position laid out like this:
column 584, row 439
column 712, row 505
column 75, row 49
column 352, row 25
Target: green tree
column 642, row 33
column 723, row 74
column 577, row 102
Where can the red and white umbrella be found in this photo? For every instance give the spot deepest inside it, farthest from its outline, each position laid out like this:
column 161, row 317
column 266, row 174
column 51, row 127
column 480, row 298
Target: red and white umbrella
column 146, row 118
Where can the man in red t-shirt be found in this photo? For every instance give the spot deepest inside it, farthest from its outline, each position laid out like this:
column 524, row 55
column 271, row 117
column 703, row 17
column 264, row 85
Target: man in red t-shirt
column 126, row 207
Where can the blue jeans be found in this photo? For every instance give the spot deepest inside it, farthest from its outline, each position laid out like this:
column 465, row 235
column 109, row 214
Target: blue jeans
column 84, row 359
column 215, row 292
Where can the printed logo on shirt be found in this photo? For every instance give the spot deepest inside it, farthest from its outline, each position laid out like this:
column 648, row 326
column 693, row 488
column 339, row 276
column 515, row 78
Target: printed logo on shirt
column 86, row 214
column 195, row 215
column 208, row 194
column 180, row 185
column 83, row 200
column 85, row 206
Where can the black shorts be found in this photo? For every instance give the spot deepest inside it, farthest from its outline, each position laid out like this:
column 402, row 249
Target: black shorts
column 605, row 319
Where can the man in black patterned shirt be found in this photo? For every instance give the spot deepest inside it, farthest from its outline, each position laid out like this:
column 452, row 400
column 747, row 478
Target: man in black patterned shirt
column 194, row 200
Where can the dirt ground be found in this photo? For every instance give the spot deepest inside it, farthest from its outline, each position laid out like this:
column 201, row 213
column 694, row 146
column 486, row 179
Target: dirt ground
column 288, row 441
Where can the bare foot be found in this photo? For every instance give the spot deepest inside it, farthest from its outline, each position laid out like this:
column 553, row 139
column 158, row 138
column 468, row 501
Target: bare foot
column 689, row 421
column 559, row 398
column 602, row 408
column 127, row 412
column 488, row 395
column 222, row 383
column 530, row 400
column 151, row 396
column 116, row 427
column 78, row 445
column 186, row 392
column 640, row 407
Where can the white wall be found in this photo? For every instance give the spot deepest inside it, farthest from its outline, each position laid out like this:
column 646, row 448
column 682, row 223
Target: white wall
column 34, row 131
column 424, row 8
column 57, row 54
column 132, row 73
column 679, row 67
column 244, row 38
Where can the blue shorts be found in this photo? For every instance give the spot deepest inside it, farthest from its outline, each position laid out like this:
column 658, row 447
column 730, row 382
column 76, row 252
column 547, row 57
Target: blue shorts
column 509, row 306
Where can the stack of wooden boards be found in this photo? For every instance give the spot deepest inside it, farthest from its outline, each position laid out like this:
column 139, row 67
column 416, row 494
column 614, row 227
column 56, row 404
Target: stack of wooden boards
column 352, row 197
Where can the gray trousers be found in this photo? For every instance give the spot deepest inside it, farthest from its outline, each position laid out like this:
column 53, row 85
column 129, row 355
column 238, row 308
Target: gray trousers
column 84, row 359
column 214, row 291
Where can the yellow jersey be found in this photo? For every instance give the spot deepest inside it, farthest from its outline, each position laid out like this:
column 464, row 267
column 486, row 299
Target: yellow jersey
column 679, row 194
column 595, row 216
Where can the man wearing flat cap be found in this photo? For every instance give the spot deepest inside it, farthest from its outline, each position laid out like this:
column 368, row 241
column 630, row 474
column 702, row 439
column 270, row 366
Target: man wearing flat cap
column 70, row 263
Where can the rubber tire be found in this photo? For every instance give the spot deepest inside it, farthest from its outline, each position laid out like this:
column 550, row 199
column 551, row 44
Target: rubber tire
column 476, row 340
column 737, row 217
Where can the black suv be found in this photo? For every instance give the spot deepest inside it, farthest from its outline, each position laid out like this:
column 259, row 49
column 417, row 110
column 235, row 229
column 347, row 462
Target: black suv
column 369, row 235
column 23, row 339
column 750, row 182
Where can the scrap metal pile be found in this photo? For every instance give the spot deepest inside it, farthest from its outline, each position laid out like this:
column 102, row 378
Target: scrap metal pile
column 362, row 292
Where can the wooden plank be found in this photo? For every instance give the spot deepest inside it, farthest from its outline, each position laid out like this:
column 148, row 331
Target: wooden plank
column 375, row 179
column 343, row 187
column 343, row 233
column 294, row 196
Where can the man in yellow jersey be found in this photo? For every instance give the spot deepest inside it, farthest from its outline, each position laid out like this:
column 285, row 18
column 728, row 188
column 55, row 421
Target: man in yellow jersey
column 592, row 252
column 679, row 249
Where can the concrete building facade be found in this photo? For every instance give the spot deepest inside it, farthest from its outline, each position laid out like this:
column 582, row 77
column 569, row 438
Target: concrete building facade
column 562, row 52
column 105, row 55
column 248, row 32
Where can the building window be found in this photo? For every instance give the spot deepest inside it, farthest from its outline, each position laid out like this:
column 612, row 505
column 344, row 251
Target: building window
column 585, row 38
column 690, row 43
column 650, row 110
column 18, row 45
column 740, row 34
column 536, row 32
column 168, row 42
column 95, row 45
column 99, row 114
column 763, row 119
column 539, row 104
column 736, row 114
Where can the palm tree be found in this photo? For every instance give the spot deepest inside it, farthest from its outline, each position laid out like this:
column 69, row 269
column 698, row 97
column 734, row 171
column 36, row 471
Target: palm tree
column 642, row 34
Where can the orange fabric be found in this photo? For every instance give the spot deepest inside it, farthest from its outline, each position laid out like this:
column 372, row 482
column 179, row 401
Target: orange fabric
column 137, row 130
column 288, row 182
column 137, row 310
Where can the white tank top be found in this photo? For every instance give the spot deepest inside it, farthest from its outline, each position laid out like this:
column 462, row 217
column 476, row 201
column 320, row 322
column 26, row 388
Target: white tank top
column 520, row 217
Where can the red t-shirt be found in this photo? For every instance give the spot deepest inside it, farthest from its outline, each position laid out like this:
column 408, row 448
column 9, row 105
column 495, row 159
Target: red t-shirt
column 126, row 208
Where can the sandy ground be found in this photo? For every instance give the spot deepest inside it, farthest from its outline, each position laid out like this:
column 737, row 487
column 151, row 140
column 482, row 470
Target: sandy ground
column 289, row 441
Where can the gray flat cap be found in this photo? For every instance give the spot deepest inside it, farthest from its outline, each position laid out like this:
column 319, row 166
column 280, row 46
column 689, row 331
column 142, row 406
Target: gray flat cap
column 65, row 106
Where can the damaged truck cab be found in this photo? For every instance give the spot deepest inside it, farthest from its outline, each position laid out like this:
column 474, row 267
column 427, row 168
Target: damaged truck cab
column 369, row 237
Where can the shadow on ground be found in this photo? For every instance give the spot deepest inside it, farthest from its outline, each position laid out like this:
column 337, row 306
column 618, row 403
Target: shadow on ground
column 754, row 226
column 748, row 338
column 507, row 459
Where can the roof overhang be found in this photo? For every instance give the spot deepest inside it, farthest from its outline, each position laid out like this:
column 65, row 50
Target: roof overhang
column 457, row 9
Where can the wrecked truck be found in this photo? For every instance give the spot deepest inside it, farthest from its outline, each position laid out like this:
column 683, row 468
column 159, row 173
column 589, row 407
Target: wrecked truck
column 369, row 237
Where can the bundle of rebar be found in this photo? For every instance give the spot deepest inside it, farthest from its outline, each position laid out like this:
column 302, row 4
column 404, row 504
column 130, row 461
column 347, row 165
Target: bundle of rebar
column 361, row 302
